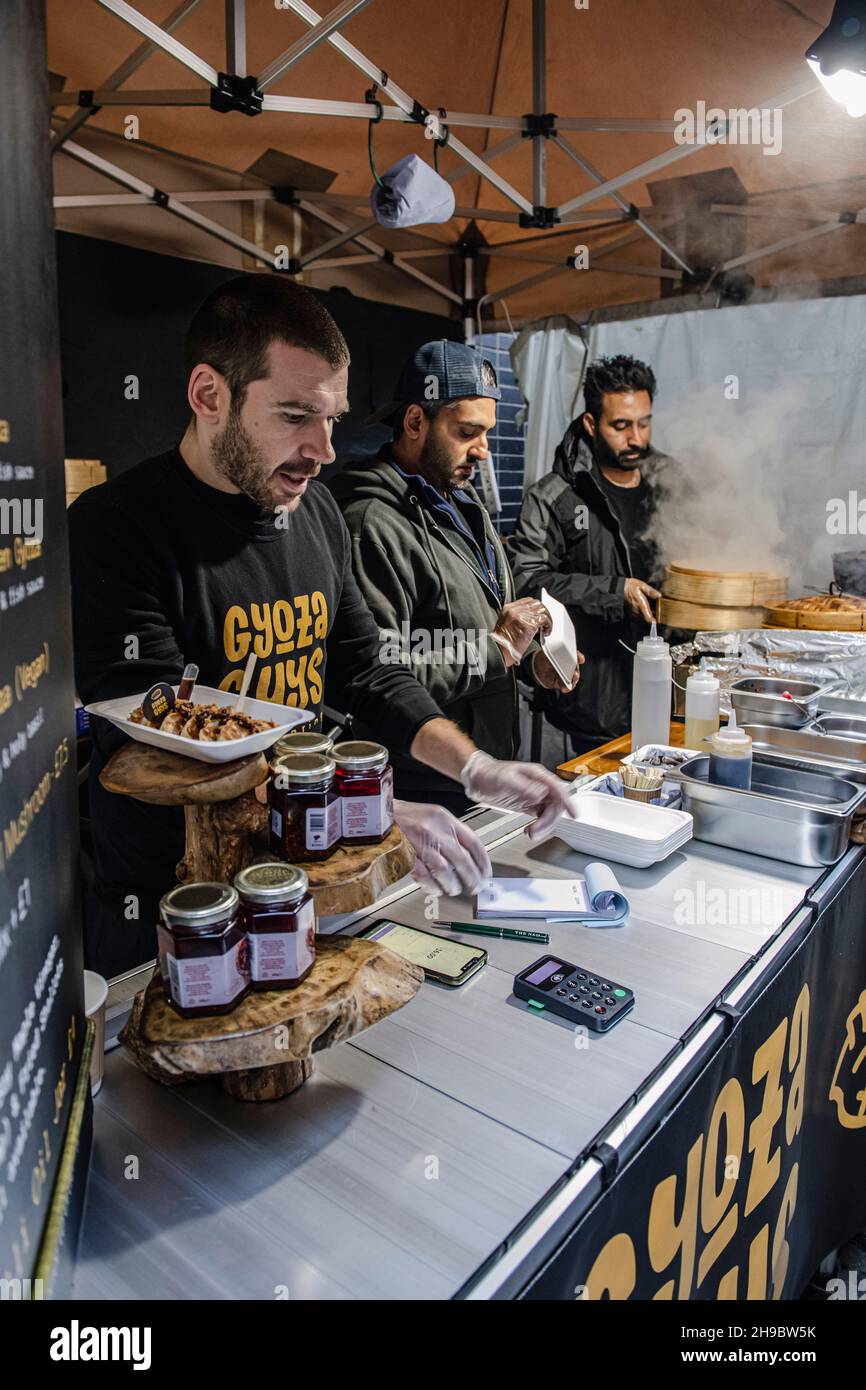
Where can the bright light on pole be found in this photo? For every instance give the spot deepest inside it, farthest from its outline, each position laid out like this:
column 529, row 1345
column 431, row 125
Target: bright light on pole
column 838, row 56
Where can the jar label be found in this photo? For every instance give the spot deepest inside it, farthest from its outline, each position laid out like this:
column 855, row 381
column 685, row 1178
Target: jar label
column 209, row 980
column 369, row 815
column 276, row 823
column 323, row 826
column 284, row 955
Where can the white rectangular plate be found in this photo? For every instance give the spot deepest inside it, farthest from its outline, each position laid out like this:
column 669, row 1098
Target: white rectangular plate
column 628, row 832
column 560, row 644
column 285, row 719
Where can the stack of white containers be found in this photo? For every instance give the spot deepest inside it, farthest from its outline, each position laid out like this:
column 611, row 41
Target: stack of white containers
column 628, row 832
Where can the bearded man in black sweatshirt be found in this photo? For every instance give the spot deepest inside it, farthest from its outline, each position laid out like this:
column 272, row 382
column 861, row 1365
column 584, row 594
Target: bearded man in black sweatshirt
column 225, row 545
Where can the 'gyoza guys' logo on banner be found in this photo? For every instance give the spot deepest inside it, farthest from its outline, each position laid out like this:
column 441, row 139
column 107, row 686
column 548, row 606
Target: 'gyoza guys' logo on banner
column 848, row 1087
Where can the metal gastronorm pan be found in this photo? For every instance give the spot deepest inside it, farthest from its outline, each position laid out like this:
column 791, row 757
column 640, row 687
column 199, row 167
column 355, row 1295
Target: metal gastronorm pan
column 845, row 757
column 759, row 700
column 842, row 726
column 790, row 813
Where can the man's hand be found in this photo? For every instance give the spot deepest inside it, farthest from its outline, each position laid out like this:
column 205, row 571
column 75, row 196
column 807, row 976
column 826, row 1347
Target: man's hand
column 516, row 626
column 636, row 594
column 449, row 857
column 545, row 675
column 517, row 787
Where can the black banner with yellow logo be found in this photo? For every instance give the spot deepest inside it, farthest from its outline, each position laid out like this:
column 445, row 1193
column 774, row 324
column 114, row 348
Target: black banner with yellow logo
column 759, row 1170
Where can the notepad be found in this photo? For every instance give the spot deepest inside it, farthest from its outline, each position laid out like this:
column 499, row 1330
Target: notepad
column 596, row 899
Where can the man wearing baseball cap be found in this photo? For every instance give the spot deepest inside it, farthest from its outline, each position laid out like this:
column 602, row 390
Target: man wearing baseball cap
column 432, row 568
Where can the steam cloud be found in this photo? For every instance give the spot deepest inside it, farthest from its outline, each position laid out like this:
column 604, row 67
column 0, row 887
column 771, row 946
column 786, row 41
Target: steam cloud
column 759, row 479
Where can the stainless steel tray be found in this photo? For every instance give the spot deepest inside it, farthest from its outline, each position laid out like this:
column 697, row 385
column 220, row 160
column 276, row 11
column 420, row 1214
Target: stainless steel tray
column 759, row 700
column 790, row 813
column 842, row 726
column 841, row 704
column 822, row 752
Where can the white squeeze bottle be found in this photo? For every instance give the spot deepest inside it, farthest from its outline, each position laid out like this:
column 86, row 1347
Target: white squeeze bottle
column 651, row 692
column 702, row 708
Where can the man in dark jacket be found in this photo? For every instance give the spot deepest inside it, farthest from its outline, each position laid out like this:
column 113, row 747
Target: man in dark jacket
column 228, row 545
column 584, row 534
column 432, row 568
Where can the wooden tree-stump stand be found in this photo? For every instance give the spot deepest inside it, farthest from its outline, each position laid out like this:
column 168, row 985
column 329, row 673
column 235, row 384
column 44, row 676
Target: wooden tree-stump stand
column 226, row 825
column 263, row 1049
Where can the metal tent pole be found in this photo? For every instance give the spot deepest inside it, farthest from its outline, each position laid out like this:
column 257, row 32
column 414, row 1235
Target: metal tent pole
column 304, row 45
column 236, row 38
column 796, row 240
column 660, row 161
column 501, row 147
column 389, row 257
column 621, row 202
column 169, row 204
column 470, row 325
column 340, row 239
column 539, row 102
column 161, row 38
column 126, row 69
column 406, row 103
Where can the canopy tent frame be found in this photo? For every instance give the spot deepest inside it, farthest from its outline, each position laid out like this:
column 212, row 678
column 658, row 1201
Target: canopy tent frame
column 234, row 89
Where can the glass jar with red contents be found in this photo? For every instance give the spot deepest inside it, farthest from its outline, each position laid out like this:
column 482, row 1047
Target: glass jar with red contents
column 203, row 953
column 280, row 922
column 365, row 783
column 305, row 807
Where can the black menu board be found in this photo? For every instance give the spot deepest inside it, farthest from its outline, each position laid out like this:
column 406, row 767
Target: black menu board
column 41, row 1015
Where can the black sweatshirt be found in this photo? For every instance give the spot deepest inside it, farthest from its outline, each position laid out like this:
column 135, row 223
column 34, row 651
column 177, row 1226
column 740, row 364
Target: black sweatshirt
column 166, row 570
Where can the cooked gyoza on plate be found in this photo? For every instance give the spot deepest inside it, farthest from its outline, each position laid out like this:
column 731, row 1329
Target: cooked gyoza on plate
column 209, row 723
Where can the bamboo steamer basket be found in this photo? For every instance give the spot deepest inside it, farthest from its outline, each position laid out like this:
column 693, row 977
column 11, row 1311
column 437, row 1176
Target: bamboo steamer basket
column 815, row 622
column 723, row 589
column 717, row 600
column 80, row 475
column 707, row 617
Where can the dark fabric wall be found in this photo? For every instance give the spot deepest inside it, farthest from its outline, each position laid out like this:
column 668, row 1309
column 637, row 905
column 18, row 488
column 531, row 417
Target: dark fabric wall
column 123, row 312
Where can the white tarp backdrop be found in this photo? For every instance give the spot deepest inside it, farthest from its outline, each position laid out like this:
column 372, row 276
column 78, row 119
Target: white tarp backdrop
column 766, row 403
column 548, row 364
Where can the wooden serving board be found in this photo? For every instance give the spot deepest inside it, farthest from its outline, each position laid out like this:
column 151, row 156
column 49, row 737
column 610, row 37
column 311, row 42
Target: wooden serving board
column 169, row 779
column 226, row 825
column 356, row 875
column 724, row 589
column 263, row 1049
column 608, row 756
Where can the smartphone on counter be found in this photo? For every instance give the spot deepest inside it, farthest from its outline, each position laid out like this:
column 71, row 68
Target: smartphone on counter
column 447, row 962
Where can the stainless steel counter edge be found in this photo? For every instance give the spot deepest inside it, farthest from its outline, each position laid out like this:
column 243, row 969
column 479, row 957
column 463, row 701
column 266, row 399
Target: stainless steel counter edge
column 502, row 1276
column 507, row 1270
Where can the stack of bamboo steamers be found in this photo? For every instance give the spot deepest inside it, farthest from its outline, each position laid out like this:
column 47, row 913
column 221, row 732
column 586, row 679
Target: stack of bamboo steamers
column 718, row 601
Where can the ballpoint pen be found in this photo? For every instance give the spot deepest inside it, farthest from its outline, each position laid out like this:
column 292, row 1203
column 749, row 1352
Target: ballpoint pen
column 506, row 933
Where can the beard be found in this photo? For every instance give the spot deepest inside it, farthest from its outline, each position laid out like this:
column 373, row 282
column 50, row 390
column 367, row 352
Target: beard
column 241, row 462
column 437, row 465
column 605, row 456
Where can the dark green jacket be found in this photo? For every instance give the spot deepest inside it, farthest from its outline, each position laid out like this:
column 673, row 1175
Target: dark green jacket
column 423, row 581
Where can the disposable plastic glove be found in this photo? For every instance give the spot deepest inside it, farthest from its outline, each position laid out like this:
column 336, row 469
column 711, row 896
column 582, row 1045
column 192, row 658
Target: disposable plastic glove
column 517, row 625
column 449, row 857
column 517, row 787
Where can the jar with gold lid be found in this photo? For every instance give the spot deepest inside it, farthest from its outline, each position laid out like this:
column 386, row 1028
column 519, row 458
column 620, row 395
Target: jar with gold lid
column 203, row 948
column 280, row 922
column 304, row 807
column 303, row 741
column 365, row 783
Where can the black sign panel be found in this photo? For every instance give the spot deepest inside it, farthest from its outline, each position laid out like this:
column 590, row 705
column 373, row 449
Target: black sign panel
column 758, row 1172
column 41, row 1016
